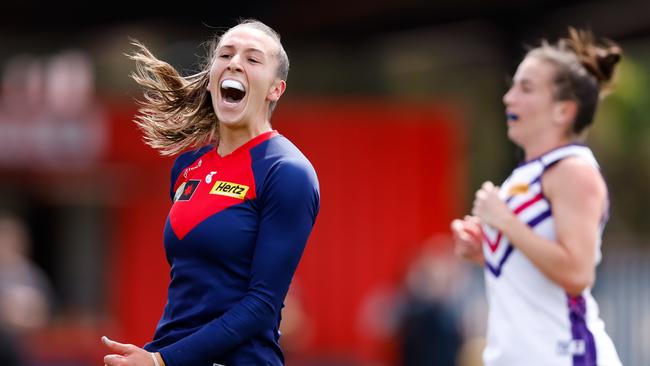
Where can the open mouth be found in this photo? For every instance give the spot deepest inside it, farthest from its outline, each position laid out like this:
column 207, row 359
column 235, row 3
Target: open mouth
column 232, row 91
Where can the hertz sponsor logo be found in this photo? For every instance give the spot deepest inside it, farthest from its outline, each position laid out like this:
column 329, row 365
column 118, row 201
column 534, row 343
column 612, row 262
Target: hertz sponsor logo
column 229, row 189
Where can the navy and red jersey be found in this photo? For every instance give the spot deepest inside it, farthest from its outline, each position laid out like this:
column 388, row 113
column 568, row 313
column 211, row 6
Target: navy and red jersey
column 233, row 238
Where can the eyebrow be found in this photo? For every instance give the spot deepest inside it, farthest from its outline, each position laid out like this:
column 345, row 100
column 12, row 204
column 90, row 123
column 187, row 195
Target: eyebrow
column 249, row 49
column 523, row 81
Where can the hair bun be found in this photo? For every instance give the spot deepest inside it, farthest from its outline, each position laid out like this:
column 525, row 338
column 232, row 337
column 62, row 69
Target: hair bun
column 607, row 60
column 599, row 58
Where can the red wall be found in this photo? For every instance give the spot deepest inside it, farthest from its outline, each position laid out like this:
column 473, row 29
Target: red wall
column 390, row 175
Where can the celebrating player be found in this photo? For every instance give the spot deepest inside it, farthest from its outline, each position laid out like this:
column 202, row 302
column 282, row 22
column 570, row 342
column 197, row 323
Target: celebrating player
column 243, row 205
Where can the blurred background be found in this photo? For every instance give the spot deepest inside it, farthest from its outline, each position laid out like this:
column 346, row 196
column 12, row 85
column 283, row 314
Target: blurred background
column 398, row 106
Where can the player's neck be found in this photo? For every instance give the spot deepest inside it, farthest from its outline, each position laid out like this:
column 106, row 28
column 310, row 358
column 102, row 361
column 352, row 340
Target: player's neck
column 541, row 147
column 231, row 138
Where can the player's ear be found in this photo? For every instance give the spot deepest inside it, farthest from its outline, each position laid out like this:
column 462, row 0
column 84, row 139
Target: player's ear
column 565, row 111
column 276, row 90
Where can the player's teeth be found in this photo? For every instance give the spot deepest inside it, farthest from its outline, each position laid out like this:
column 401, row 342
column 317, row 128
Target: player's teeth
column 232, row 84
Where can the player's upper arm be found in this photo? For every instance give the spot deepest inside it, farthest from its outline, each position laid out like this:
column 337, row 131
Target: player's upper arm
column 578, row 197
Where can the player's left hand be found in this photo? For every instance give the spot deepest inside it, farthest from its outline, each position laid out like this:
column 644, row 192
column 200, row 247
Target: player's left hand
column 126, row 354
column 490, row 208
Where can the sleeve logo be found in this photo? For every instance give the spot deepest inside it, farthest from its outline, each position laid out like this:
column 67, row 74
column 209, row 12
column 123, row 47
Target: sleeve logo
column 229, row 189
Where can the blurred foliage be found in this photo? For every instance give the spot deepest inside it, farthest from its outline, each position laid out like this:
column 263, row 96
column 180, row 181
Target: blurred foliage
column 621, row 138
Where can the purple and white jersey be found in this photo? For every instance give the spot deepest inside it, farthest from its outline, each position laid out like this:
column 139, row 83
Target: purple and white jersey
column 532, row 320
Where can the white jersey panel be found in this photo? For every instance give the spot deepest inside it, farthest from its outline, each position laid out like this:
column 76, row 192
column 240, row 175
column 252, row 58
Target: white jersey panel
column 531, row 320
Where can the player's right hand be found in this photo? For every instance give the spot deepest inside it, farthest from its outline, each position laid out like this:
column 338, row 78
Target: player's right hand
column 468, row 238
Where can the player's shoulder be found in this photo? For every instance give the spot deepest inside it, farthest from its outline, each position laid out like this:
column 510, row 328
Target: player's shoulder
column 283, row 164
column 576, row 176
column 281, row 145
column 187, row 158
column 190, row 156
column 575, row 168
column 279, row 150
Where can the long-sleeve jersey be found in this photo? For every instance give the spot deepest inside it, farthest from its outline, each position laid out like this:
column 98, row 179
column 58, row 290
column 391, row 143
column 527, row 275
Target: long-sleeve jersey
column 233, row 238
column 532, row 320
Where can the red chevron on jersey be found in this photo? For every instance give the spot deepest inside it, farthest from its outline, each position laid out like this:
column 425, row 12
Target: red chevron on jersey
column 224, row 182
column 493, row 245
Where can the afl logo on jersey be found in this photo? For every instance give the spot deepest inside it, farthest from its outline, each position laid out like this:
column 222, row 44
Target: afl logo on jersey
column 208, row 177
column 229, row 189
column 186, row 190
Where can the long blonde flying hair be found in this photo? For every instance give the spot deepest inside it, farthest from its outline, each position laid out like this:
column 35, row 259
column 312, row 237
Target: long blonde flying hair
column 176, row 112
